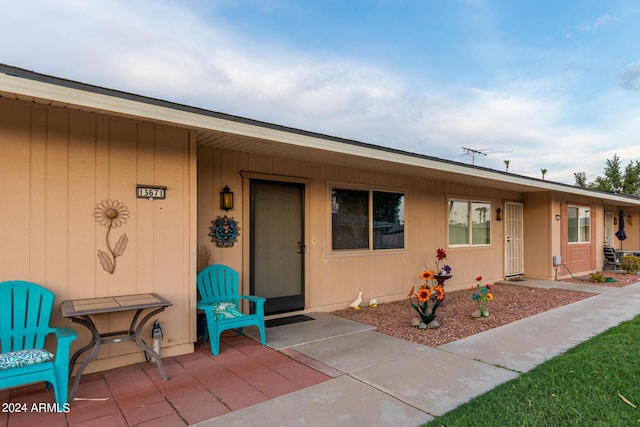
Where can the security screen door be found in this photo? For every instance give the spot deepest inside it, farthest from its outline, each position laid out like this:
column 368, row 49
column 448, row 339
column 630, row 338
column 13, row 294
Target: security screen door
column 514, row 245
column 277, row 244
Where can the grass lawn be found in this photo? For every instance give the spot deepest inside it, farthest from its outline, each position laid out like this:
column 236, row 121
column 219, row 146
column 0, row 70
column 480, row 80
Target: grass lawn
column 586, row 386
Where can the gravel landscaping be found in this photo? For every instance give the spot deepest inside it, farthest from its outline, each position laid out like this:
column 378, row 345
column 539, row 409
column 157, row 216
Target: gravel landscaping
column 511, row 302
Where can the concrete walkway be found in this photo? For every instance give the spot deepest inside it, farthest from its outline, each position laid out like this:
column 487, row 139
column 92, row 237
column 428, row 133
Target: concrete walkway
column 384, row 381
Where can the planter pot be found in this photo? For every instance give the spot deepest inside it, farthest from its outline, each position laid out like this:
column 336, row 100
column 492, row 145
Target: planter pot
column 441, row 278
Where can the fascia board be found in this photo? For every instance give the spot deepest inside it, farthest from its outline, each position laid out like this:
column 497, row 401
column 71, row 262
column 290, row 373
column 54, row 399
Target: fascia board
column 148, row 111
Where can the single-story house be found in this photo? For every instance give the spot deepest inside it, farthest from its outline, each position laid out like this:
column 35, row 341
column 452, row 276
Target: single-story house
column 109, row 193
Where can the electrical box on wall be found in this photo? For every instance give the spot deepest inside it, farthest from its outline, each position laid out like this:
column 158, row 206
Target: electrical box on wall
column 557, row 260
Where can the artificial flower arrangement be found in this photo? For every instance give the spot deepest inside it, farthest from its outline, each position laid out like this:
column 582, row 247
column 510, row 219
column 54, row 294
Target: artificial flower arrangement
column 429, row 296
column 441, row 255
column 481, row 295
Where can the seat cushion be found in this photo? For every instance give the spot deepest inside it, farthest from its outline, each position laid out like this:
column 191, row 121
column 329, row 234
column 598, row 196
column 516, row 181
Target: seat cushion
column 226, row 310
column 18, row 359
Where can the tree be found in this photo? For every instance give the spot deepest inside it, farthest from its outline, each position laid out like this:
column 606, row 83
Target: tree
column 632, row 178
column 544, row 172
column 581, row 179
column 482, row 213
column 506, row 164
column 614, row 179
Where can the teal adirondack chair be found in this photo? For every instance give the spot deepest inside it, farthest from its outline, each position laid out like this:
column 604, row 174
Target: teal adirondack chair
column 25, row 309
column 218, row 288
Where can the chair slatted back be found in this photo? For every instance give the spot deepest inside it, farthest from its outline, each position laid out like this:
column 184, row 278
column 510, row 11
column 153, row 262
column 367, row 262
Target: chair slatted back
column 25, row 310
column 218, row 283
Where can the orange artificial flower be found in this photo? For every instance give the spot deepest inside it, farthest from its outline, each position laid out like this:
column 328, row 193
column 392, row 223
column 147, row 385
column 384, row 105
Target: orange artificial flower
column 489, row 296
column 439, row 291
column 427, row 275
column 423, row 294
column 411, row 292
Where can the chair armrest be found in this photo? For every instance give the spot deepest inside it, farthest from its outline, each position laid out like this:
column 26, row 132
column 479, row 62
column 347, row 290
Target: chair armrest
column 258, row 301
column 65, row 334
column 203, row 305
column 253, row 298
column 65, row 337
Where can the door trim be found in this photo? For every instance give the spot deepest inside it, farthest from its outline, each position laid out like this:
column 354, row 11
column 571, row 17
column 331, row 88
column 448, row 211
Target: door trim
column 295, row 301
column 608, row 226
column 247, row 176
column 508, row 249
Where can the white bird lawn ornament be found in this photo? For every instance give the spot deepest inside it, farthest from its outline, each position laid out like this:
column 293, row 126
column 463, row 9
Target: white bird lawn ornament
column 356, row 303
column 373, row 303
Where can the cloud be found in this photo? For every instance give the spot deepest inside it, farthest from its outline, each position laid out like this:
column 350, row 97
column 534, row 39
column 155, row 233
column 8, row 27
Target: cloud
column 629, row 78
column 599, row 23
column 166, row 51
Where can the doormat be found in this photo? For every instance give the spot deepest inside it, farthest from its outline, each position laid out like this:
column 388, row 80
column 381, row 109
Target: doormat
column 517, row 279
column 287, row 320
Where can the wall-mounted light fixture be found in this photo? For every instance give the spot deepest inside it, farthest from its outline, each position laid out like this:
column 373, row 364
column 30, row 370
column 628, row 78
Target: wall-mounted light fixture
column 557, row 217
column 499, row 214
column 226, row 198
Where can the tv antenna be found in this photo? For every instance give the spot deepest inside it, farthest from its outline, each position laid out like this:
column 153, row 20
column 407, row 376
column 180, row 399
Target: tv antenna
column 472, row 153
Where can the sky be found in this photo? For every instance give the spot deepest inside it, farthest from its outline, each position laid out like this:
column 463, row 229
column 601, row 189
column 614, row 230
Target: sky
column 545, row 84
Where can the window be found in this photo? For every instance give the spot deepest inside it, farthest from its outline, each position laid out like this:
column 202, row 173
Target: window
column 469, row 223
column 579, row 221
column 388, row 220
column 355, row 226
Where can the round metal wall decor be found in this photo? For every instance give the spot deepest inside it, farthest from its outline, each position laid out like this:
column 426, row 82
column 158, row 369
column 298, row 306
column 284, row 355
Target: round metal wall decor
column 225, row 232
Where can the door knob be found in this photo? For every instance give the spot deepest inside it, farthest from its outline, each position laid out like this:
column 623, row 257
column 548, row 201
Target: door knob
column 301, row 247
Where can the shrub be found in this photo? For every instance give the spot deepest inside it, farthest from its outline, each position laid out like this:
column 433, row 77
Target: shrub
column 630, row 264
column 597, row 277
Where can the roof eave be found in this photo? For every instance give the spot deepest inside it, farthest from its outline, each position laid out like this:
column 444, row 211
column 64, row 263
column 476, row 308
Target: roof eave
column 18, row 82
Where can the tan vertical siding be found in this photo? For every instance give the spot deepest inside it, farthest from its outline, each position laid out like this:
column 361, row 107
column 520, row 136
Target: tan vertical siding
column 37, row 180
column 55, row 166
column 14, row 173
column 632, row 227
column 537, row 235
column 333, row 279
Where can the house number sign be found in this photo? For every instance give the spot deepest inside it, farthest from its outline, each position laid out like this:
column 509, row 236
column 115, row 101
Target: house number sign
column 151, row 192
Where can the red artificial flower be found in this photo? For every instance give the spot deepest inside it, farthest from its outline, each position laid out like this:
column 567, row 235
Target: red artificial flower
column 488, row 286
column 441, row 254
column 479, row 279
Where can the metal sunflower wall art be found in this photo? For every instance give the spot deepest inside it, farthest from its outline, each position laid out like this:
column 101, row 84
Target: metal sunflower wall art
column 111, row 214
column 225, row 231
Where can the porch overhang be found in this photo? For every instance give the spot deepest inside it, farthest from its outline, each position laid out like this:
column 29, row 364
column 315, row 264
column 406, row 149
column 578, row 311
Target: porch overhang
column 240, row 134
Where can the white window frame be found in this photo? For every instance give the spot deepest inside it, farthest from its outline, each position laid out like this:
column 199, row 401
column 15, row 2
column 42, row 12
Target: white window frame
column 469, row 203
